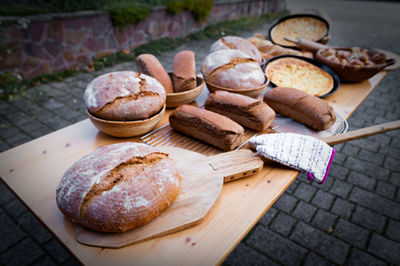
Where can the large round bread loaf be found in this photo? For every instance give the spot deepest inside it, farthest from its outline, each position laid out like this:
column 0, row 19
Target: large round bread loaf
column 118, row 187
column 232, row 69
column 124, row 96
column 234, row 42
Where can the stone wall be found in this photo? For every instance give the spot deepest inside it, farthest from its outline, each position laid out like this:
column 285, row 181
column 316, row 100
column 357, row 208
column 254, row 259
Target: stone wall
column 54, row 42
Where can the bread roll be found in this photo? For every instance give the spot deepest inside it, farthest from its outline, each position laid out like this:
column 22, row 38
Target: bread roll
column 210, row 127
column 232, row 69
column 118, row 187
column 302, row 107
column 234, row 42
column 148, row 64
column 248, row 112
column 124, row 96
column 184, row 75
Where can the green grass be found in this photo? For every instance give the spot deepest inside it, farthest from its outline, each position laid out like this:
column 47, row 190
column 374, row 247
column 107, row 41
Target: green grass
column 125, row 12
column 11, row 84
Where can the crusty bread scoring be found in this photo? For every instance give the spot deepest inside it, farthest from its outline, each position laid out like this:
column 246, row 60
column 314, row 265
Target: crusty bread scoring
column 124, row 96
column 234, row 42
column 302, row 107
column 118, row 187
column 247, row 111
column 210, row 127
column 184, row 75
column 232, row 69
column 148, row 64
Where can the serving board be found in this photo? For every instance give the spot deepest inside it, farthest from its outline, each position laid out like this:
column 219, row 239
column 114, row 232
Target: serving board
column 33, row 170
column 202, row 180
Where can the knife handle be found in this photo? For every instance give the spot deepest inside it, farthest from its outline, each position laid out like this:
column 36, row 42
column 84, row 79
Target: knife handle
column 363, row 132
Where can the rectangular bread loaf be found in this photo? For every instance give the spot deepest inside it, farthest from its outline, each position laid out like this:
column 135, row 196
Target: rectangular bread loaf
column 207, row 126
column 302, row 107
column 247, row 111
column 184, row 74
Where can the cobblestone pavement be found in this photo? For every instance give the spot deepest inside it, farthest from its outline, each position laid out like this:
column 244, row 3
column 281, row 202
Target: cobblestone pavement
column 353, row 218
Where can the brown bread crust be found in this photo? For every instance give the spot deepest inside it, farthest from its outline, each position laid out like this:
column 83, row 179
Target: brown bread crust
column 234, row 42
column 118, row 187
column 124, row 96
column 232, row 69
column 247, row 111
column 302, row 107
column 207, row 126
column 184, row 74
column 148, row 64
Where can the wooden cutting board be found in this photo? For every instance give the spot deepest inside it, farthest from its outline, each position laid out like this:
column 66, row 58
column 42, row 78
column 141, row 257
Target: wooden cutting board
column 202, row 180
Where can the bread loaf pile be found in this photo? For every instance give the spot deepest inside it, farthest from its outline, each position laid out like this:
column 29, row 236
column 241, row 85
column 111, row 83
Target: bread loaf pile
column 126, row 185
column 183, row 75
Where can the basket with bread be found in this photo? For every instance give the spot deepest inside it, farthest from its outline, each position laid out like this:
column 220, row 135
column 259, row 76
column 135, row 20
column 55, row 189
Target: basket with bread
column 234, row 65
column 125, row 103
column 182, row 86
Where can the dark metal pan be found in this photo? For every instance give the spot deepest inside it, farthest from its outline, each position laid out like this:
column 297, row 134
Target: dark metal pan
column 297, row 16
column 330, row 71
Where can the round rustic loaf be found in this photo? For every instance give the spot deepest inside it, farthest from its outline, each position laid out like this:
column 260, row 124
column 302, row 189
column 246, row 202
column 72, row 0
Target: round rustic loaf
column 118, row 187
column 124, row 96
column 232, row 69
column 234, row 42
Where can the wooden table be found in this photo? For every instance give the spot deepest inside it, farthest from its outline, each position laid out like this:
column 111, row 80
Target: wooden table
column 33, row 170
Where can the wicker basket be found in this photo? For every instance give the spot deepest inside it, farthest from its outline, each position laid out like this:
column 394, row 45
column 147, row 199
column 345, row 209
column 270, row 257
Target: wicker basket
column 349, row 73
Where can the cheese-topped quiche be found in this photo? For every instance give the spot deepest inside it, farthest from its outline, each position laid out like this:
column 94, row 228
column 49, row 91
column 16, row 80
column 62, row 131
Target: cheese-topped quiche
column 300, row 27
column 299, row 74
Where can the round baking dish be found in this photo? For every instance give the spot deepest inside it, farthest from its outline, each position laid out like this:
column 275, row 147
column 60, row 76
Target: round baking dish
column 336, row 80
column 126, row 129
column 323, row 39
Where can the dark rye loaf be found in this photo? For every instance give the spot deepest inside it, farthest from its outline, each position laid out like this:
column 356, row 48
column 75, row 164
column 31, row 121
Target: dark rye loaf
column 249, row 112
column 207, row 126
column 302, row 107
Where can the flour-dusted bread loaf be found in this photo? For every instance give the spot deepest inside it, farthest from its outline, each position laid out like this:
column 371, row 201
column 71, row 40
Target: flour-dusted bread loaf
column 232, row 69
column 210, row 127
column 234, row 42
column 124, row 96
column 148, row 64
column 184, row 74
column 247, row 111
column 302, row 107
column 118, row 187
